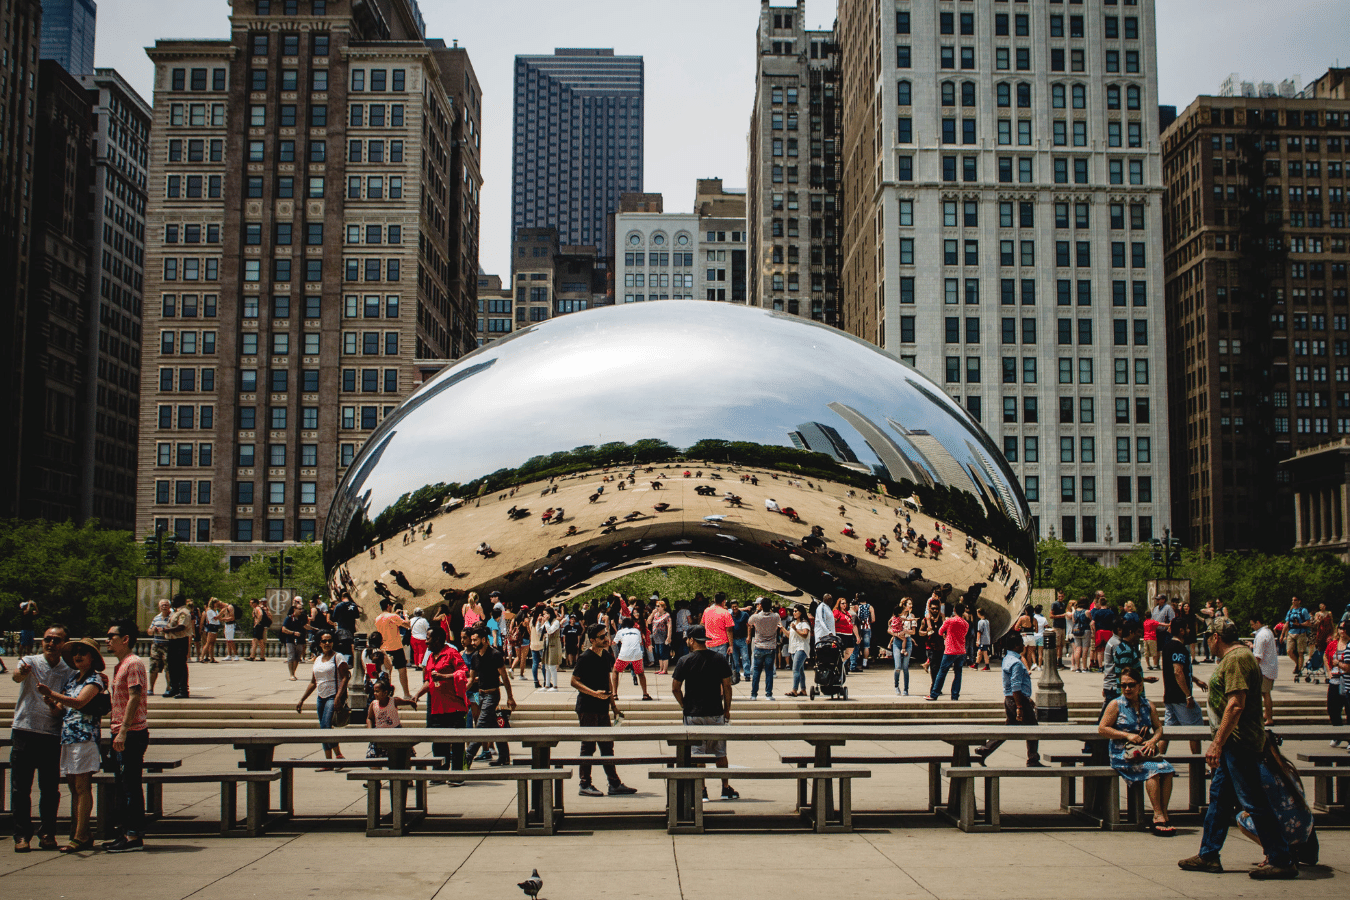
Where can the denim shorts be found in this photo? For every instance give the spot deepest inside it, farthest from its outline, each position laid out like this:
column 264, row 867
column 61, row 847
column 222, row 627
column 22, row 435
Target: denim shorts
column 1181, row 714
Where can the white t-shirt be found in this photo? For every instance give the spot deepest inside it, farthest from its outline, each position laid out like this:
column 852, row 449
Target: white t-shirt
column 420, row 627
column 824, row 621
column 1040, row 623
column 630, row 644
column 799, row 637
column 1266, row 653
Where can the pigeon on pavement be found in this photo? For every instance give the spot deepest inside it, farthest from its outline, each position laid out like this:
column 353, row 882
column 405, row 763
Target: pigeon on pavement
column 532, row 885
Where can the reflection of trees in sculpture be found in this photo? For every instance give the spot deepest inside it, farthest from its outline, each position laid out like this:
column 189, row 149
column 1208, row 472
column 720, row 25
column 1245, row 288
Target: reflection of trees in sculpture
column 955, row 507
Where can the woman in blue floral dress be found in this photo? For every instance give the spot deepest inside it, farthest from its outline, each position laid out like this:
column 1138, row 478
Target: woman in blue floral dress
column 1135, row 730
column 80, row 757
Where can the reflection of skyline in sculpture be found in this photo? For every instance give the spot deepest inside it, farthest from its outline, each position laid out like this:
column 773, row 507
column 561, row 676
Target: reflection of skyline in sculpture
column 821, row 438
column 855, row 429
column 899, row 465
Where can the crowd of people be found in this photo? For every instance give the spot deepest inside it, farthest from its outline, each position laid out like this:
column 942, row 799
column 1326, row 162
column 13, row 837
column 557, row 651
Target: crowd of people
column 469, row 656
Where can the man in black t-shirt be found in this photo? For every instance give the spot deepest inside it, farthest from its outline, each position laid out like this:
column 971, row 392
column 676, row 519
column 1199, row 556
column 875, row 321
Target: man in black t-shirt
column 571, row 635
column 489, row 677
column 343, row 615
column 590, row 679
column 701, row 684
column 293, row 636
column 1180, row 706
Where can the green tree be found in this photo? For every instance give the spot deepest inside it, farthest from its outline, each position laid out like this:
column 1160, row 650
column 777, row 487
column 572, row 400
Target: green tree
column 80, row 575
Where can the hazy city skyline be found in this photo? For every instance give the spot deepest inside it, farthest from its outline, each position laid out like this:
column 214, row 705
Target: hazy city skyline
column 700, row 68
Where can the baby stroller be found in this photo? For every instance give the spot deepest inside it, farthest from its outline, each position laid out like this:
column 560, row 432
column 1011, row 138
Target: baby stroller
column 829, row 669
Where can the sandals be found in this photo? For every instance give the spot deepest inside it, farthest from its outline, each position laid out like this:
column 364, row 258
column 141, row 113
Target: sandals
column 648, row 697
column 1163, row 829
column 78, row 846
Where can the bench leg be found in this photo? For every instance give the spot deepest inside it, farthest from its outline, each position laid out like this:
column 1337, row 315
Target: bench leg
column 1109, row 791
column 991, row 803
column 672, row 806
column 288, row 790
column 846, row 804
column 229, row 807
column 255, row 807
column 1134, row 804
column 964, row 789
column 154, row 800
column 934, row 786
column 1322, row 790
column 103, row 805
column 1068, row 789
column 372, row 808
column 802, row 802
column 398, row 802
column 522, row 807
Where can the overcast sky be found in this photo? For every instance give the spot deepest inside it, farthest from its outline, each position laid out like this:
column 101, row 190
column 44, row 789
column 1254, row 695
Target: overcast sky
column 700, row 67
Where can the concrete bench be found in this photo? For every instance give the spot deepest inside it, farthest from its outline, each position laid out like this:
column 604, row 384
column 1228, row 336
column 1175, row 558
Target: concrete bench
column 559, row 803
column 255, row 784
column 399, row 779
column 1197, row 778
column 286, row 801
column 823, row 819
column 966, row 819
column 933, row 761
column 1330, row 773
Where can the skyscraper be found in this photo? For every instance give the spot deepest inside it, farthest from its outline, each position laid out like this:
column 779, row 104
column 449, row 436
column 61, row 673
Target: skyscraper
column 793, row 200
column 578, row 142
column 302, row 251
column 1257, row 307
column 19, row 39
column 1002, row 228
column 68, row 34
column 113, row 313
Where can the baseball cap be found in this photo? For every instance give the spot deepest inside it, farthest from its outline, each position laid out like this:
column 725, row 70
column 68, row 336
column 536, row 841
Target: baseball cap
column 698, row 633
column 1228, row 633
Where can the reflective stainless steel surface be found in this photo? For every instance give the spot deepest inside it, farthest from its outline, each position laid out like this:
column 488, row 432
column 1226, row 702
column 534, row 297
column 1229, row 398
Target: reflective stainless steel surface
column 777, row 411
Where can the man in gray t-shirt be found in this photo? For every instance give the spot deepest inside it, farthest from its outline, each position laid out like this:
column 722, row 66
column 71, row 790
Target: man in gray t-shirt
column 764, row 626
column 36, row 739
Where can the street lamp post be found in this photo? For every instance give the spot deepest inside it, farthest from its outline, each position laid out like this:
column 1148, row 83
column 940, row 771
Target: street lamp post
column 1052, row 702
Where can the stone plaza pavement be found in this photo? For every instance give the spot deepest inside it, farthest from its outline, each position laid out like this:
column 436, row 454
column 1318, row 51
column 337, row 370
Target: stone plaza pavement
column 1040, row 853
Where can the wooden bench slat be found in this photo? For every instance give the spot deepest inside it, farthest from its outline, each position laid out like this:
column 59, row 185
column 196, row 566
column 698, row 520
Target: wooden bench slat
column 500, row 774
column 1033, row 772
column 195, row 777
column 869, row 760
column 761, row 774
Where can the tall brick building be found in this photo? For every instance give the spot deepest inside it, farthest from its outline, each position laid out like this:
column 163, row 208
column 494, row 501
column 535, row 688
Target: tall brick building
column 1259, row 357
column 311, row 233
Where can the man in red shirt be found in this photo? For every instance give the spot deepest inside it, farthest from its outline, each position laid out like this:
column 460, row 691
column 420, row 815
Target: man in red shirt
column 717, row 622
column 445, row 680
column 953, row 631
column 130, row 687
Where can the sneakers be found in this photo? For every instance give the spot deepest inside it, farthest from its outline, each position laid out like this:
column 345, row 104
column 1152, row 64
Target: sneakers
column 590, row 790
column 618, row 789
column 730, row 794
column 124, row 845
column 897, row 692
column 771, row 697
column 1200, row 864
column 1273, row 873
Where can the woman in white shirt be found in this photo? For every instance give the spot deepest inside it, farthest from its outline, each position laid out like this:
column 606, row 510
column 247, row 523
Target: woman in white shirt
column 798, row 646
column 550, row 635
column 329, row 678
column 418, row 629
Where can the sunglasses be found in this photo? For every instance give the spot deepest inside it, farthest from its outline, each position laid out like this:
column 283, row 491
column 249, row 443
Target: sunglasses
column 1126, row 685
column 53, row 640
column 325, row 640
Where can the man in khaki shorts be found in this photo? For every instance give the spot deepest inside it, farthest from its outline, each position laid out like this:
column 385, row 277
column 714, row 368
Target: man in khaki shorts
column 1297, row 631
